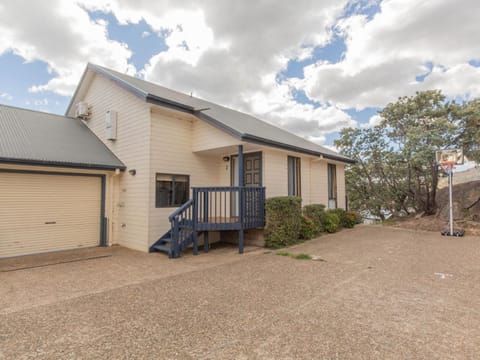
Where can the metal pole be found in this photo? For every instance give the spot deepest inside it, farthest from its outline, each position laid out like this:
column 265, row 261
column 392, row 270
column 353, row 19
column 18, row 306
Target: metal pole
column 450, row 194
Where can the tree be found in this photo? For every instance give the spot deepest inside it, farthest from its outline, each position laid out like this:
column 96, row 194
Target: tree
column 468, row 122
column 396, row 168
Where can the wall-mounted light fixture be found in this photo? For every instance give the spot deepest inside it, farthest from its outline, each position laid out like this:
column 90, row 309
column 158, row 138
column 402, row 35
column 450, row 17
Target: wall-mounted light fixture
column 226, row 158
column 132, row 172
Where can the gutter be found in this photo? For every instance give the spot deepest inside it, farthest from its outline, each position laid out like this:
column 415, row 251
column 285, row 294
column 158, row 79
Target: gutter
column 62, row 164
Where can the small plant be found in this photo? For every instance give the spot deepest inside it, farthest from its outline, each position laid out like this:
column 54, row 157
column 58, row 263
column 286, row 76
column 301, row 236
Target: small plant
column 331, row 222
column 300, row 256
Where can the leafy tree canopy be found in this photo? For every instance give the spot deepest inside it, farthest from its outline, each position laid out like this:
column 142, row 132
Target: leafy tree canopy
column 396, row 168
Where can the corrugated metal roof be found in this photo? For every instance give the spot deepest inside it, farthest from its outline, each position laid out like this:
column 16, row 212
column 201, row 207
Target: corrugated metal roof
column 244, row 126
column 34, row 137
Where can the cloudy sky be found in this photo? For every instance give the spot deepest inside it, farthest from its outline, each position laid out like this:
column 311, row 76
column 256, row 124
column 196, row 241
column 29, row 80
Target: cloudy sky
column 312, row 67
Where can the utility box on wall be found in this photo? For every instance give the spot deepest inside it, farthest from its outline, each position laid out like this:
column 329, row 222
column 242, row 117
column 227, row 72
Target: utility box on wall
column 111, row 125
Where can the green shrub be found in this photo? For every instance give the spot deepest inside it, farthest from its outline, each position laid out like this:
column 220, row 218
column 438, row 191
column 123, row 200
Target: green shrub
column 315, row 212
column 341, row 216
column 283, row 221
column 331, row 222
column 350, row 219
column 308, row 228
column 358, row 217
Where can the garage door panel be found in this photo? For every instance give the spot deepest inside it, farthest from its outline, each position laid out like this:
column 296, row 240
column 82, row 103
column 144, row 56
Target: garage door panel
column 40, row 212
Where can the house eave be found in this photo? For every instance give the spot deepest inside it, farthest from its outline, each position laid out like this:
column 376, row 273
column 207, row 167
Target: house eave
column 62, row 164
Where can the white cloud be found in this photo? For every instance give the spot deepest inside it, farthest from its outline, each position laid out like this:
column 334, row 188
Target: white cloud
column 6, row 96
column 372, row 122
column 279, row 107
column 146, row 34
column 232, row 52
column 385, row 55
column 62, row 35
column 239, row 57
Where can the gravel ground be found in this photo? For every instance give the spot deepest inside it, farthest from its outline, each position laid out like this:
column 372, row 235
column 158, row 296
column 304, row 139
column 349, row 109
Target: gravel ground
column 379, row 293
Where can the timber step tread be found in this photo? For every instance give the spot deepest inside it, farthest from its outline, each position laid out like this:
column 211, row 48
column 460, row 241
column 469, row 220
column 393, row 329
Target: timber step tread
column 164, row 248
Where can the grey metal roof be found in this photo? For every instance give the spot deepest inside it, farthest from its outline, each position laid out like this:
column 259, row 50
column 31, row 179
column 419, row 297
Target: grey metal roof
column 238, row 124
column 33, row 137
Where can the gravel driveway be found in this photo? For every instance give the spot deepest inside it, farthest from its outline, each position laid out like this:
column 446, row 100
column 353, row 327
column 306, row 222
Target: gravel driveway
column 376, row 293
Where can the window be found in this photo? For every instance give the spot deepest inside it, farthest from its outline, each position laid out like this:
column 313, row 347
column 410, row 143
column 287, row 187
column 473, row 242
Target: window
column 294, row 176
column 171, row 190
column 332, row 186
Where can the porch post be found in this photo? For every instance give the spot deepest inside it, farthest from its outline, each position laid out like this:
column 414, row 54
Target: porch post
column 240, row 165
column 240, row 196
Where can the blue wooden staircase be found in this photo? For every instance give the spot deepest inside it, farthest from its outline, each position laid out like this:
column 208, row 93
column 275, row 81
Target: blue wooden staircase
column 212, row 209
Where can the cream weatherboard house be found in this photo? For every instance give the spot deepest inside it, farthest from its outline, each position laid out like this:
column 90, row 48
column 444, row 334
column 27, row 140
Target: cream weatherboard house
column 136, row 164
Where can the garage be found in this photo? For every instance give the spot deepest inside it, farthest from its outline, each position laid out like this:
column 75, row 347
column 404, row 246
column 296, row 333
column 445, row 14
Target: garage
column 48, row 212
column 54, row 177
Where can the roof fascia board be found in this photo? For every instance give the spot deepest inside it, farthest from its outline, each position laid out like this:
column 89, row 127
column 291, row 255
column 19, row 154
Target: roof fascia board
column 122, row 83
column 77, row 90
column 152, row 99
column 61, row 164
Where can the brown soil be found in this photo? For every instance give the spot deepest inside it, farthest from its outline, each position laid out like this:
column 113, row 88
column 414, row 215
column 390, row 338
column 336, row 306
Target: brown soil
column 466, row 209
column 434, row 223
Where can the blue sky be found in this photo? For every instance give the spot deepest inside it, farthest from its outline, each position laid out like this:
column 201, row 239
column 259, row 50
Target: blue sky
column 335, row 66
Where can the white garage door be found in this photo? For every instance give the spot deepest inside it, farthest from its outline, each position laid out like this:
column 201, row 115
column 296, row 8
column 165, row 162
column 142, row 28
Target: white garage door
column 40, row 213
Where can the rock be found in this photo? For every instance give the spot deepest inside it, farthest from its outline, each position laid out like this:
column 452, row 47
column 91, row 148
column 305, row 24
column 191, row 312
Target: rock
column 419, row 215
column 466, row 204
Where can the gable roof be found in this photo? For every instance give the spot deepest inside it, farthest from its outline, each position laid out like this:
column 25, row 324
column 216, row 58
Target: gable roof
column 240, row 125
column 37, row 138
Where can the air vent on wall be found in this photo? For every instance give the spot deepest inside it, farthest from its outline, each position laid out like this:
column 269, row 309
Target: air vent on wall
column 82, row 110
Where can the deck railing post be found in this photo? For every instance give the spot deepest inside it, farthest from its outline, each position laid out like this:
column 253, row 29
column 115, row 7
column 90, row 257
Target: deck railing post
column 241, row 215
column 205, row 206
column 176, row 237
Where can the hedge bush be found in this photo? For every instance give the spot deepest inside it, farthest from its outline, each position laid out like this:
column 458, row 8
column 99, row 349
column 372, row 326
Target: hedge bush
column 308, row 228
column 283, row 221
column 331, row 222
column 350, row 219
column 341, row 216
column 315, row 212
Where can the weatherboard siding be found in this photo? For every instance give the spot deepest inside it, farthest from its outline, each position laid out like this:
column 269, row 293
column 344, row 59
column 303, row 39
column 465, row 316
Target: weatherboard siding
column 275, row 173
column 341, row 193
column 172, row 135
column 130, row 222
column 206, row 136
column 314, row 177
column 319, row 182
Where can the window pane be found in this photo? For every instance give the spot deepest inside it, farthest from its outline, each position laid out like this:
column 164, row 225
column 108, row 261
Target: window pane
column 332, row 182
column 164, row 193
column 181, row 192
column 171, row 190
column 293, row 176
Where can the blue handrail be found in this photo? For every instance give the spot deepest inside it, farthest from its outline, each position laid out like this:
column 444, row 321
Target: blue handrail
column 216, row 208
column 180, row 209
